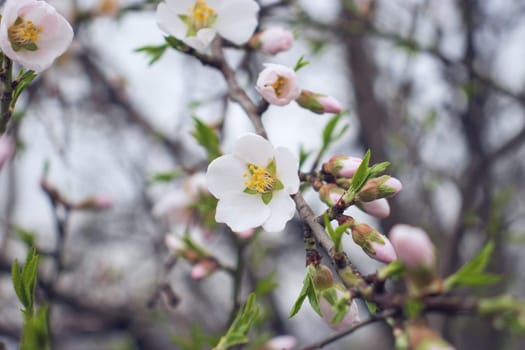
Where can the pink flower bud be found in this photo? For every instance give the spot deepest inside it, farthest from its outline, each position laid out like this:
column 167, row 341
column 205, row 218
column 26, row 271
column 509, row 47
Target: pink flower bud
column 318, row 103
column 7, row 149
column 273, row 40
column 342, row 166
column 351, row 318
column 330, row 104
column 278, row 84
column 379, row 187
column 413, row 246
column 203, row 269
column 330, row 194
column 281, row 342
column 378, row 208
column 373, row 243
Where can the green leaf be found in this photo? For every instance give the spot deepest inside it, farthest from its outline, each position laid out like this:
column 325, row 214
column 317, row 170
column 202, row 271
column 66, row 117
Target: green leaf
column 393, row 270
column 207, row 138
column 361, row 175
column 471, row 274
column 303, row 155
column 307, row 284
column 301, row 62
column 35, row 332
column 313, row 297
column 22, row 82
column 341, row 309
column 328, row 130
column 155, row 52
column 166, row 176
column 237, row 333
column 27, row 237
column 266, row 284
column 372, row 308
column 337, row 234
column 18, row 284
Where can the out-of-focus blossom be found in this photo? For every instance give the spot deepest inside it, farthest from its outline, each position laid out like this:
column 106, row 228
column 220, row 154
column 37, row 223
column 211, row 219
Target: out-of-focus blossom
column 176, row 205
column 340, row 165
column 108, row 7
column 273, row 40
column 33, row 33
column 96, row 202
column 281, row 342
column 413, row 246
column 278, row 84
column 319, row 103
column 254, row 184
column 378, row 208
column 196, row 22
column 7, row 149
column 203, row 269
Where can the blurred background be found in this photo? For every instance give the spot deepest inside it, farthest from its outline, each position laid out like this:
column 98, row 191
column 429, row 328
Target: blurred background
column 436, row 87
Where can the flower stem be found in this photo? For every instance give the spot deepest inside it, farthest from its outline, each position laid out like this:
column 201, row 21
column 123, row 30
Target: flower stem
column 7, row 94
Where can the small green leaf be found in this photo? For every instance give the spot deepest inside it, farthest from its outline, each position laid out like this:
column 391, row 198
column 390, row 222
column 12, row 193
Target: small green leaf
column 372, row 308
column 301, row 62
column 361, row 175
column 266, row 284
column 303, row 155
column 471, row 274
column 166, row 176
column 329, row 128
column 302, row 296
column 155, row 52
column 313, row 298
column 413, row 308
column 207, row 138
column 18, row 284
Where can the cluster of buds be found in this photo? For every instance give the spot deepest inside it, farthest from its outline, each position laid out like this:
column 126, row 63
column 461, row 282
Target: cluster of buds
column 417, row 253
column 203, row 264
column 371, row 198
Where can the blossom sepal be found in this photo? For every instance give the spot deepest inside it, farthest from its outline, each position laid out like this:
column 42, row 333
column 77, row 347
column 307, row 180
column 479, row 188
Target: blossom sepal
column 379, row 187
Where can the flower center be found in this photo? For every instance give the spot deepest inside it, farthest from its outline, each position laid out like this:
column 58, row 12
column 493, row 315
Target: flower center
column 24, row 35
column 201, row 16
column 259, row 180
column 278, row 85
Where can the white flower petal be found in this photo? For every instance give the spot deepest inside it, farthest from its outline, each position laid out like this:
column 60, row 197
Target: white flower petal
column 254, row 149
column 224, row 176
column 282, row 209
column 287, row 166
column 242, row 211
column 237, row 19
column 203, row 39
column 180, row 6
column 169, row 22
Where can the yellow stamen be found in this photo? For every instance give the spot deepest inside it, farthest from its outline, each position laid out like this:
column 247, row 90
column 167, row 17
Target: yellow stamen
column 259, row 179
column 278, row 85
column 23, row 32
column 202, row 16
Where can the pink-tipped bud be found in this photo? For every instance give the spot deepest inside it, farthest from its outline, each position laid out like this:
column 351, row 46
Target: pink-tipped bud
column 373, row 243
column 342, row 166
column 379, row 187
column 272, row 40
column 318, row 103
column 203, row 269
column 413, row 247
column 351, row 318
column 281, row 342
column 378, row 208
column 330, row 194
column 7, row 149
